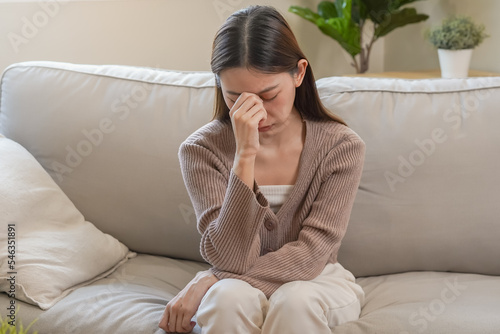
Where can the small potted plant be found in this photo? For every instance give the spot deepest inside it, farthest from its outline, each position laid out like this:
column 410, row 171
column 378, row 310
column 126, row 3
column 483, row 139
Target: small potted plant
column 455, row 39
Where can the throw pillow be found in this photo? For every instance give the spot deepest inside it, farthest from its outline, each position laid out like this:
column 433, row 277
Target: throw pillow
column 47, row 248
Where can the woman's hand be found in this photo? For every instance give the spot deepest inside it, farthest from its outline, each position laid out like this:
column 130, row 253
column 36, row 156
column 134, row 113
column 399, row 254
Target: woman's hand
column 180, row 310
column 246, row 114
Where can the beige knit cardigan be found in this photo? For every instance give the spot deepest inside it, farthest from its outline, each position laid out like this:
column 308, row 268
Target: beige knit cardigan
column 242, row 237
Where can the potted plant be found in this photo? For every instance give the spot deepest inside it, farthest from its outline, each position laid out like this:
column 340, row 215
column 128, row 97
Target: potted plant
column 345, row 21
column 455, row 39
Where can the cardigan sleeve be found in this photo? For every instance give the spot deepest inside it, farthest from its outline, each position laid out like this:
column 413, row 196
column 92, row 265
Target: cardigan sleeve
column 322, row 230
column 229, row 214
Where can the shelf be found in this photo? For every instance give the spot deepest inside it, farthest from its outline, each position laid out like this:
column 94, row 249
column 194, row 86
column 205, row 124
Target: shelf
column 419, row 74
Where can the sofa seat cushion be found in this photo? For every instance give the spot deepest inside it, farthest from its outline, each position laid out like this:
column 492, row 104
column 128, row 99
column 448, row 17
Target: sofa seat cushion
column 132, row 300
column 428, row 302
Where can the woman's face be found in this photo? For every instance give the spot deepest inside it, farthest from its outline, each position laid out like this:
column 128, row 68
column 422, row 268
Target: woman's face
column 276, row 90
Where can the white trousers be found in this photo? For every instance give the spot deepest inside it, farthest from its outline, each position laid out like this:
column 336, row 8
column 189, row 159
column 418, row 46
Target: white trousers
column 232, row 306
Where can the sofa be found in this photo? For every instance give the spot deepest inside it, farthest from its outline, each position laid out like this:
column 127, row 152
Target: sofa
column 423, row 236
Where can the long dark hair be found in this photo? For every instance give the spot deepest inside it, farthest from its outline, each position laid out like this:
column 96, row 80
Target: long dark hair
column 259, row 38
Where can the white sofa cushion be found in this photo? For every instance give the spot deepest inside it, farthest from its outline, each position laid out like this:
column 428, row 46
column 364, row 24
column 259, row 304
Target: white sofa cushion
column 47, row 249
column 428, row 196
column 132, row 300
column 129, row 301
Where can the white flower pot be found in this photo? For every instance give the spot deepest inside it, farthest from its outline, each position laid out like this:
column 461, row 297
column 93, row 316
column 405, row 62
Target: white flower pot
column 454, row 63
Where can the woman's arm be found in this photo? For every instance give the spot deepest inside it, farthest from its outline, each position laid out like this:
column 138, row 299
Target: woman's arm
column 322, row 230
column 229, row 214
column 228, row 211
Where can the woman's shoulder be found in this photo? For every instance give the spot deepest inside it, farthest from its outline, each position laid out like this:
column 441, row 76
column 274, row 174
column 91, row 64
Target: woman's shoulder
column 335, row 142
column 333, row 133
column 215, row 136
column 215, row 130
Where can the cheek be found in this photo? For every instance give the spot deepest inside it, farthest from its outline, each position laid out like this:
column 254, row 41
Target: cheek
column 282, row 104
column 229, row 103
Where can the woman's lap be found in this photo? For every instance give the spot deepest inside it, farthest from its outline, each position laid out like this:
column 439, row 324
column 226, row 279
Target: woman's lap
column 328, row 300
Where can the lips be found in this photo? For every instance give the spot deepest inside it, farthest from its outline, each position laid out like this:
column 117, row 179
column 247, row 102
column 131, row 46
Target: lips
column 265, row 128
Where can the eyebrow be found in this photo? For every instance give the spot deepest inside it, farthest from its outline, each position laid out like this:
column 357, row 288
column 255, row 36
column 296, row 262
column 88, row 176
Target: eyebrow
column 261, row 92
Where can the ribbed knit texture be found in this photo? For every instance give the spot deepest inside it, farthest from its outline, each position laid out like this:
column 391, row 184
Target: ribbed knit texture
column 276, row 195
column 241, row 236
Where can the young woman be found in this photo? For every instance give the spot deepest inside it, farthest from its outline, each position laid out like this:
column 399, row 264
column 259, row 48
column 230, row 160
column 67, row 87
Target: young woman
column 272, row 180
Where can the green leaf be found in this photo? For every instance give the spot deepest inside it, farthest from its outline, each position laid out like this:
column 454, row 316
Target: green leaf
column 398, row 19
column 344, row 8
column 377, row 6
column 305, row 13
column 359, row 11
column 327, row 10
column 396, row 4
column 335, row 20
column 343, row 31
column 379, row 10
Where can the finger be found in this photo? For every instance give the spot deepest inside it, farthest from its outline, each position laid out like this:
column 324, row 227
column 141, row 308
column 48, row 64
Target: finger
column 255, row 114
column 172, row 320
column 186, row 323
column 241, row 99
column 248, row 110
column 164, row 320
column 178, row 323
column 244, row 102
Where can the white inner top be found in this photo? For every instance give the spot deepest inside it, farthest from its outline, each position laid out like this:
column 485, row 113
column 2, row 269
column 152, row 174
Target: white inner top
column 276, row 195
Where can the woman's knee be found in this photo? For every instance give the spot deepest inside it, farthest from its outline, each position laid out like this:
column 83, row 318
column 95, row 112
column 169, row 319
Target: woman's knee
column 292, row 297
column 303, row 299
column 233, row 293
column 232, row 306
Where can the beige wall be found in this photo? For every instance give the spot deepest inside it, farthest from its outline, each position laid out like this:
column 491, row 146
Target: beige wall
column 407, row 49
column 173, row 34
column 177, row 34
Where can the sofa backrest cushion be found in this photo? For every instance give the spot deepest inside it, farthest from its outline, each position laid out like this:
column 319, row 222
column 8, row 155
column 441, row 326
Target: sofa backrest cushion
column 109, row 136
column 428, row 197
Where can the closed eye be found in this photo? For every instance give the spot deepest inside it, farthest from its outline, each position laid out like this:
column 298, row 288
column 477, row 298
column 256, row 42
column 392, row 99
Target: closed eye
column 234, row 101
column 270, row 98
